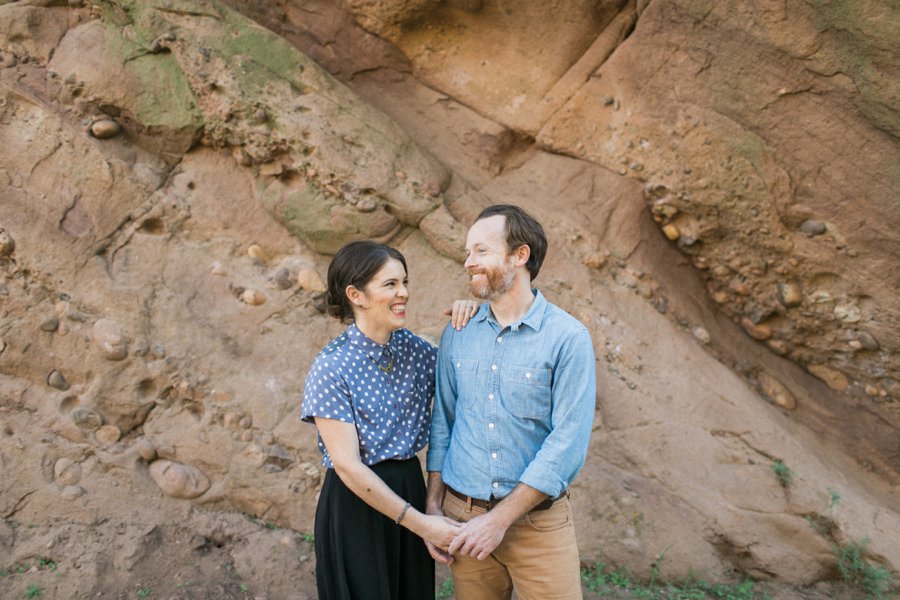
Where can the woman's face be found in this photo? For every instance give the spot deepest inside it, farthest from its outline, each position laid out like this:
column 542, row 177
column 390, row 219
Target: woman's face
column 380, row 307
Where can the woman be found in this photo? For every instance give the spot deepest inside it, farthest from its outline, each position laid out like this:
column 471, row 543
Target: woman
column 369, row 393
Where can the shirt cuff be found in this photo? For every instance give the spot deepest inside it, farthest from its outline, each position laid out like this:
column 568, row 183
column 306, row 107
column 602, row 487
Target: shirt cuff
column 543, row 480
column 434, row 460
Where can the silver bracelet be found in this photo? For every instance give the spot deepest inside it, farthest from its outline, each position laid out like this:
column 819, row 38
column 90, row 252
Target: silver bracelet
column 402, row 513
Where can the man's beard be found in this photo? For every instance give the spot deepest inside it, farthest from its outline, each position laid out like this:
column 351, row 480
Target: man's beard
column 497, row 282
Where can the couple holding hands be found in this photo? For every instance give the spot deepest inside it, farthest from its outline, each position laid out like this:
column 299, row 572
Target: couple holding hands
column 512, row 387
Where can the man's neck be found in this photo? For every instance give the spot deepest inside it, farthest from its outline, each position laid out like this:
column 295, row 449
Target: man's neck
column 512, row 306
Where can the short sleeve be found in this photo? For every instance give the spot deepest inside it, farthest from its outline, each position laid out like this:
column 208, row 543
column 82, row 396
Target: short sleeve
column 326, row 393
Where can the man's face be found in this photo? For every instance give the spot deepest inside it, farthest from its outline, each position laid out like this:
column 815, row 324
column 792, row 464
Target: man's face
column 491, row 267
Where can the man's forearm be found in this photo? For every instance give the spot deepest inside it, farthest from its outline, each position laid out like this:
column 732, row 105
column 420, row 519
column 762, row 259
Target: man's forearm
column 517, row 503
column 435, row 496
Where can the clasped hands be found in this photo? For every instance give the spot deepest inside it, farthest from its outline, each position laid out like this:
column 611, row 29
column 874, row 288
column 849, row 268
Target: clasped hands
column 476, row 538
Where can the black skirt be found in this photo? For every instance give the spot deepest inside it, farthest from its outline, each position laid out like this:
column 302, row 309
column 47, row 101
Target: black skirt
column 362, row 554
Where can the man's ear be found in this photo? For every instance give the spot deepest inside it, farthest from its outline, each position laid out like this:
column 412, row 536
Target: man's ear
column 522, row 254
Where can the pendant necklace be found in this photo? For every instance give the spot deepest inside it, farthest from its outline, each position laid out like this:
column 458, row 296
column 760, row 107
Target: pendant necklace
column 390, row 365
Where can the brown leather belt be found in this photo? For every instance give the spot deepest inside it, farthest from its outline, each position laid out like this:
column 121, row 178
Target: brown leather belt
column 489, row 504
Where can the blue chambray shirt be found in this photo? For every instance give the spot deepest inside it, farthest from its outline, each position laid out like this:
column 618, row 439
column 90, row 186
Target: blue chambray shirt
column 513, row 404
column 390, row 410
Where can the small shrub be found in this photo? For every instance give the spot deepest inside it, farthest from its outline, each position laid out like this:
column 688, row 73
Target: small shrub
column 33, row 591
column 143, row 592
column 783, row 472
column 446, row 589
column 873, row 579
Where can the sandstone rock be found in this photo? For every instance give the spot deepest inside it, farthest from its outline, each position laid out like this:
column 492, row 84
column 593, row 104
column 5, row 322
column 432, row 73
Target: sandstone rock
column 105, row 128
column 107, row 434
column 868, row 342
column 255, row 252
column 790, row 294
column 701, row 334
column 284, row 279
column 813, row 228
column 146, row 450
column 310, row 281
column 756, row 331
column 67, row 472
column 253, row 297
column 178, row 480
column 7, row 243
column 445, row 233
column 833, row 379
column 72, row 492
column 109, row 338
column 49, row 325
column 87, row 419
column 776, row 391
column 58, row 381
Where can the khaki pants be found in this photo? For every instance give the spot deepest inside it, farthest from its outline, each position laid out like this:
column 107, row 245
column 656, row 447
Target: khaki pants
column 538, row 556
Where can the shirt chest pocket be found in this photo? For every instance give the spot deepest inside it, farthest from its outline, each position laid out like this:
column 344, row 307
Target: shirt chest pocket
column 466, row 371
column 526, row 391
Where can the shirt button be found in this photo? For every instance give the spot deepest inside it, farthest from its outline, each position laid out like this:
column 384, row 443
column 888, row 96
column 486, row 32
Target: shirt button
column 499, row 339
column 458, row 365
column 527, row 375
column 490, row 396
column 490, row 425
column 493, row 367
column 493, row 455
column 495, row 484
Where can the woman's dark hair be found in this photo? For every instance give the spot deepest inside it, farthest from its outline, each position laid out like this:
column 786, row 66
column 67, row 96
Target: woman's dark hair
column 521, row 229
column 355, row 264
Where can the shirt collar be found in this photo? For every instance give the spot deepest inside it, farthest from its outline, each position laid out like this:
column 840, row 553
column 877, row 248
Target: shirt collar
column 533, row 318
column 368, row 346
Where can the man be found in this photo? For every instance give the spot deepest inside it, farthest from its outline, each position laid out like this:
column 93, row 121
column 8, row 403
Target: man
column 513, row 415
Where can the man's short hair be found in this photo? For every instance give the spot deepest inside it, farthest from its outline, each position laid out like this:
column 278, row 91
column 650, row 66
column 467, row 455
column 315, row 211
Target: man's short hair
column 521, row 229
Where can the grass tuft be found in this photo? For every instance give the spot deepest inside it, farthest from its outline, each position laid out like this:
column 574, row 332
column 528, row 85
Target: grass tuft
column 872, row 578
column 783, row 472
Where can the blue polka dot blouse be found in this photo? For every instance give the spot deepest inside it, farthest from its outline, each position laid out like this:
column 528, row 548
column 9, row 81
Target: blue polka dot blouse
column 385, row 390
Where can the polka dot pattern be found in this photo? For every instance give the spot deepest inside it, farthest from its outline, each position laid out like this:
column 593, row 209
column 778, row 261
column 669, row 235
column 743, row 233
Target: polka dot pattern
column 391, row 410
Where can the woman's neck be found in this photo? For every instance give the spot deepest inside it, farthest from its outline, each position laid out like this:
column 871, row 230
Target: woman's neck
column 379, row 335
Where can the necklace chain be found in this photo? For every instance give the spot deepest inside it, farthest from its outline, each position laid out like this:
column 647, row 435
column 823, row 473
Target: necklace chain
column 390, row 365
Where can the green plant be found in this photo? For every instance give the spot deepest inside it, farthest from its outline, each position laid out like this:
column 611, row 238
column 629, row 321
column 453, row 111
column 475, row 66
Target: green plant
column 244, row 588
column 446, row 589
column 617, row 583
column 143, row 592
column 309, row 538
column 834, row 498
column 47, row 563
column 33, row 591
column 783, row 472
column 4, row 573
column 873, row 579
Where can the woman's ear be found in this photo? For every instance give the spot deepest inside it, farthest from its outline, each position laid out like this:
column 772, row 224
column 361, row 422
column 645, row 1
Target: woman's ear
column 355, row 296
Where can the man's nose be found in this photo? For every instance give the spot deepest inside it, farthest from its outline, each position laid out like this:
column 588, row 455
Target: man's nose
column 470, row 262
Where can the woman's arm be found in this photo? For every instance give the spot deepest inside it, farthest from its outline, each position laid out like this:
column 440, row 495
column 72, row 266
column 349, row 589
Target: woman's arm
column 343, row 447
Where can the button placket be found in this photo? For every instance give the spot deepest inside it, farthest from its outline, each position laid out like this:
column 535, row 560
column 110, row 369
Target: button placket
column 493, row 410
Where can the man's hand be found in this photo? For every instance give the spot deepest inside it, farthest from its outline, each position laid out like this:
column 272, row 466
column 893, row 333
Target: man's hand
column 479, row 536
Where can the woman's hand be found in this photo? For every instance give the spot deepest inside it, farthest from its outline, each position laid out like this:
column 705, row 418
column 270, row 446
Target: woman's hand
column 439, row 531
column 461, row 312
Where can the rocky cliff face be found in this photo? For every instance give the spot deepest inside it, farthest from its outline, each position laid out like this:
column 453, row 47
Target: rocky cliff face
column 720, row 186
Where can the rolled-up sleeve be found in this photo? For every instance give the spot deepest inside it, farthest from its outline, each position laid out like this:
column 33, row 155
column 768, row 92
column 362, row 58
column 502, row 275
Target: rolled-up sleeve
column 444, row 412
column 574, row 395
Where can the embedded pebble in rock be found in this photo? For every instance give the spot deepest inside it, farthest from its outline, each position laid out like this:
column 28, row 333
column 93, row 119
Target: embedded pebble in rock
column 253, row 297
column 283, row 278
column 366, row 205
column 868, row 342
column 776, row 391
column 146, row 450
column 820, row 297
column 71, row 492
column 108, row 434
column 87, row 419
column 56, row 380
column 231, row 419
column 701, row 334
column 757, row 332
column 833, row 379
column 7, row 243
column 103, row 129
column 178, row 480
column 246, row 423
column 217, row 269
column 310, row 281
column 871, row 391
column 671, row 232
column 49, row 325
column 789, row 294
column 247, row 436
column 813, row 227
column 108, row 336
column 594, row 261
column 848, row 313
column 258, row 255
column 158, row 351
column 67, row 472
